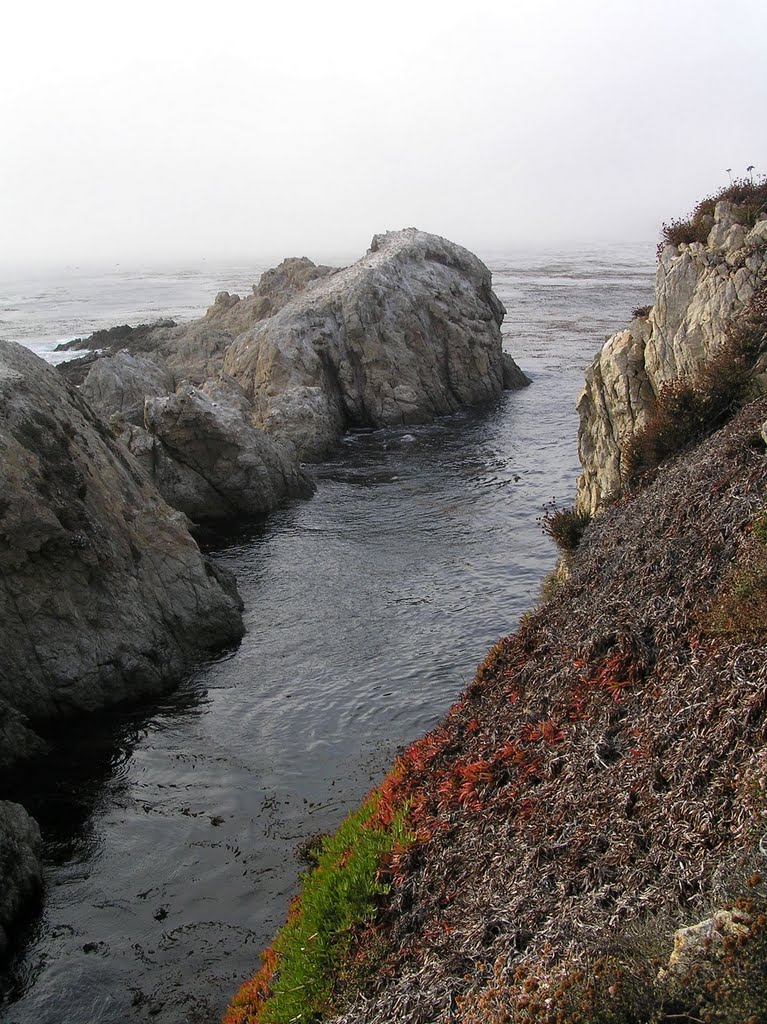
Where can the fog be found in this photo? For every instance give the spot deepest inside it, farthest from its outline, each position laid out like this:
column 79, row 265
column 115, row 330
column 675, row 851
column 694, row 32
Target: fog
column 146, row 132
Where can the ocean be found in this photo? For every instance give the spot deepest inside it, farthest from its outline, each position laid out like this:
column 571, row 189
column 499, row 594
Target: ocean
column 170, row 828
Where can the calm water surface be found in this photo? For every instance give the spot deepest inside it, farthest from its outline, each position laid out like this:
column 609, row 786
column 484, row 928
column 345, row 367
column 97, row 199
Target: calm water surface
column 169, row 830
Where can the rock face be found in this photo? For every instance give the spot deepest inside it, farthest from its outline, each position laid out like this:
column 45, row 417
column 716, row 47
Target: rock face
column 120, row 384
column 275, row 289
column 195, row 351
column 197, row 446
column 409, row 332
column 21, row 872
column 698, row 290
column 206, row 458
column 103, row 593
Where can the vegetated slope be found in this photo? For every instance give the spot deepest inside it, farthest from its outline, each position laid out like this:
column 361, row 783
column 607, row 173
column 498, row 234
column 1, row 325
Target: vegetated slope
column 600, row 784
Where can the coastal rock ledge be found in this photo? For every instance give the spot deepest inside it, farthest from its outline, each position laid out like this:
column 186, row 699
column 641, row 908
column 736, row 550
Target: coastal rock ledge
column 104, row 595
column 21, row 870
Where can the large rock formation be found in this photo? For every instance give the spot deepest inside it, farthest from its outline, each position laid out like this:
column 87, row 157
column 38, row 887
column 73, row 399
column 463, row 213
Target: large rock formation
column 409, row 332
column 699, row 289
column 21, row 871
column 103, row 594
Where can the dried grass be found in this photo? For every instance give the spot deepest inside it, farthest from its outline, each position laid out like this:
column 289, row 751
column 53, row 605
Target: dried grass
column 598, row 771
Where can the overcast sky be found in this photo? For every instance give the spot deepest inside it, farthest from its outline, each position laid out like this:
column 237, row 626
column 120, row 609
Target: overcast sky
column 151, row 131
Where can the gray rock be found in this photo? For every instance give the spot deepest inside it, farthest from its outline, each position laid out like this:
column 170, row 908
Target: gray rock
column 213, row 463
column 699, row 289
column 119, row 384
column 21, row 871
column 409, row 332
column 104, row 596
column 275, row 288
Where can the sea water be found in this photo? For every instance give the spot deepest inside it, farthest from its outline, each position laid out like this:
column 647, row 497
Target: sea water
column 170, row 829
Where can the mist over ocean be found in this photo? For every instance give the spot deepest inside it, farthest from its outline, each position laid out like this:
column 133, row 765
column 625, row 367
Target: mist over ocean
column 169, row 829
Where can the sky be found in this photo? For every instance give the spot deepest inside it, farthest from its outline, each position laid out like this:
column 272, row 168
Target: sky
column 158, row 131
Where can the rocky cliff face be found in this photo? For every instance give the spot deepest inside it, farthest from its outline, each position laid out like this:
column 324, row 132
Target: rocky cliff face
column 21, row 870
column 409, row 332
column 103, row 593
column 699, row 289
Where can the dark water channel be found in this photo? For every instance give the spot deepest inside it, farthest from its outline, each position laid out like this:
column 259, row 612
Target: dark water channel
column 169, row 830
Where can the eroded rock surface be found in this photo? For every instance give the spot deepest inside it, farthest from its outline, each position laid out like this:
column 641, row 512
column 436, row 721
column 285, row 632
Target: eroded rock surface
column 103, row 593
column 208, row 461
column 195, row 351
column 119, row 384
column 409, row 332
column 699, row 289
column 21, row 871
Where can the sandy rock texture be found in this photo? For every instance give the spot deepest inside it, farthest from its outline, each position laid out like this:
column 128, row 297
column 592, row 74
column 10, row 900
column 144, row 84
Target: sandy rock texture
column 21, row 870
column 409, row 332
column 103, row 593
column 699, row 289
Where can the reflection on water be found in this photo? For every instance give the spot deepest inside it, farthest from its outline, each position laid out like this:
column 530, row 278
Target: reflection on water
column 169, row 830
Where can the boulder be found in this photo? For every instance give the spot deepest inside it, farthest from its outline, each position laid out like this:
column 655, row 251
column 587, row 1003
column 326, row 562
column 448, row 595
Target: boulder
column 409, row 332
column 119, row 384
column 208, row 461
column 699, row 290
column 104, row 595
column 21, row 871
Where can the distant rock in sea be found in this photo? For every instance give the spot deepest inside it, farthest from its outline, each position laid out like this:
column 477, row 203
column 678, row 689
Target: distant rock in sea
column 409, row 332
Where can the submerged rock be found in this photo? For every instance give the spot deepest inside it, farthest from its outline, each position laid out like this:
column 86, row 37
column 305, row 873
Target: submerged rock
column 699, row 290
column 409, row 332
column 103, row 593
column 21, row 871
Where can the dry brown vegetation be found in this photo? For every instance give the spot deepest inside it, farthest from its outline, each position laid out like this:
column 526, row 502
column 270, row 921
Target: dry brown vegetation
column 599, row 784
column 689, row 408
column 750, row 198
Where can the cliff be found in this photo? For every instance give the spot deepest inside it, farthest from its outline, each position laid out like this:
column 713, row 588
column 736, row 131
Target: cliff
column 701, row 288
column 582, row 839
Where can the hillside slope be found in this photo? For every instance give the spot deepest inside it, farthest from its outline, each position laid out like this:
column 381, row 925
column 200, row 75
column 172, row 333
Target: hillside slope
column 607, row 766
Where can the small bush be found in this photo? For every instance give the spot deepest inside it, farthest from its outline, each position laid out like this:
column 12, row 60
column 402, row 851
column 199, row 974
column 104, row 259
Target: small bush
column 565, row 526
column 748, row 196
column 688, row 408
column 640, row 312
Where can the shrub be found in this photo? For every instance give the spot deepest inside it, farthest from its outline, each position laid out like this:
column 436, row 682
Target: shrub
column 565, row 526
column 748, row 196
column 688, row 408
column 640, row 312
column 343, row 892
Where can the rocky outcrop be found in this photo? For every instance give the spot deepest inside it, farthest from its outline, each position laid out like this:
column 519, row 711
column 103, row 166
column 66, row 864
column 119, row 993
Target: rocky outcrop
column 207, row 460
column 409, row 332
column 699, row 289
column 195, row 351
column 21, row 872
column 119, row 384
column 103, row 594
column 275, row 289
